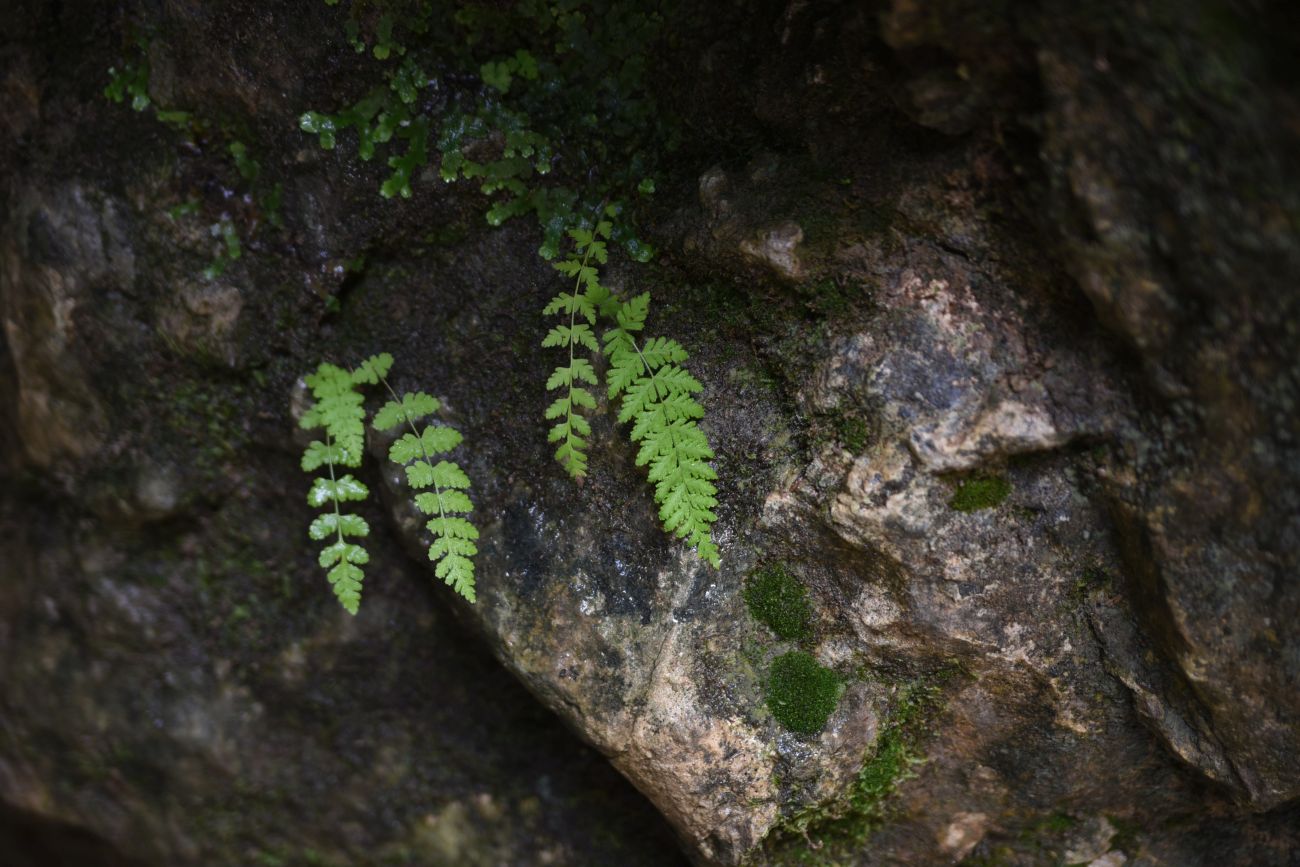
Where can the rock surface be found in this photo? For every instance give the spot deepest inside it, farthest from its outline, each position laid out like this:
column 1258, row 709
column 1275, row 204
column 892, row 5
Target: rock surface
column 996, row 321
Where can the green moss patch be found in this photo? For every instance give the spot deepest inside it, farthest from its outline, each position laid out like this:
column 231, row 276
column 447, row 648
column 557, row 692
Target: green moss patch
column 980, row 493
column 777, row 599
column 801, row 693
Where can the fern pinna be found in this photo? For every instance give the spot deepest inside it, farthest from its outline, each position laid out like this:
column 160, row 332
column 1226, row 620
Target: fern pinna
column 339, row 412
column 657, row 395
column 453, row 546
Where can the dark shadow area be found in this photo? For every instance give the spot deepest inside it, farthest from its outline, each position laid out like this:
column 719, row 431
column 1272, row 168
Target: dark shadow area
column 29, row 840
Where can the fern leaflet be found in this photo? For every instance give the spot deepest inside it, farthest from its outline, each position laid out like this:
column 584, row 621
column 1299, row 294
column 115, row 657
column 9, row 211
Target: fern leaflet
column 339, row 412
column 453, row 547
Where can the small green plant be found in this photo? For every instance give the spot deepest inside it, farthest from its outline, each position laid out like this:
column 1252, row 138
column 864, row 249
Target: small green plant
column 802, row 693
column 231, row 248
column 656, row 394
column 571, row 428
column 777, row 599
column 131, row 79
column 984, row 492
column 340, row 412
column 568, row 98
column 562, row 96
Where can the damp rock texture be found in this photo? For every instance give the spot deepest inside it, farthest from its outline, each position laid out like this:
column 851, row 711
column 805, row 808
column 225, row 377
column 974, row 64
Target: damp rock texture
column 995, row 310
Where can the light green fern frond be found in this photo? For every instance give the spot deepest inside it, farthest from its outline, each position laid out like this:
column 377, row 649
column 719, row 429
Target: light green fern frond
column 571, row 428
column 658, row 398
column 339, row 412
column 453, row 547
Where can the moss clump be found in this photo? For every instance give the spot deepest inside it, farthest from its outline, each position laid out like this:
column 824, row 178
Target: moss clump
column 980, row 493
column 777, row 599
column 801, row 693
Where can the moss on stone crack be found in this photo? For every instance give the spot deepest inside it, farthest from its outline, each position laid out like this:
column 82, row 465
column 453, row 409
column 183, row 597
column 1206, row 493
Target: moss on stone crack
column 802, row 693
column 832, row 833
column 777, row 599
column 983, row 492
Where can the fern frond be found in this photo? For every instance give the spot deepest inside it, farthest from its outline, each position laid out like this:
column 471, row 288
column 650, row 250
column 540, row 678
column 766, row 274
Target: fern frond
column 338, row 410
column 658, row 398
column 453, row 545
column 339, row 490
column 588, row 296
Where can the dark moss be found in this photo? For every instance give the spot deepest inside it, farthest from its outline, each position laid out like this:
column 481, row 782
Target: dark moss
column 1057, row 823
column 853, row 433
column 801, row 693
column 980, row 493
column 876, row 220
column 1127, row 834
column 777, row 599
column 826, row 297
column 996, row 856
column 1091, row 580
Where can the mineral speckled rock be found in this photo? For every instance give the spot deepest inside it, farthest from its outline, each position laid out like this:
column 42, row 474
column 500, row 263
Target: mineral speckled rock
column 995, row 314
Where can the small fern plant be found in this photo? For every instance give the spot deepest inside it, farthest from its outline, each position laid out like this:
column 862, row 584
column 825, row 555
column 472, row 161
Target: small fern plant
column 339, row 411
column 656, row 394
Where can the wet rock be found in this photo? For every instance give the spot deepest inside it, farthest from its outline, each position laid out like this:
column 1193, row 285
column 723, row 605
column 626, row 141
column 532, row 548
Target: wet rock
column 1201, row 514
column 963, row 834
column 203, row 318
column 59, row 248
column 777, row 247
column 731, row 231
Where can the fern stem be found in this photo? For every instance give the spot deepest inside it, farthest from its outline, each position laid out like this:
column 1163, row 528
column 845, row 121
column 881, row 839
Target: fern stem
column 645, row 364
column 334, row 497
column 437, row 491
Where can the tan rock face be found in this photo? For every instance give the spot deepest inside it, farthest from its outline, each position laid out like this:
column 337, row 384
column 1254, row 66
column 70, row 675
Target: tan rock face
column 57, row 250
